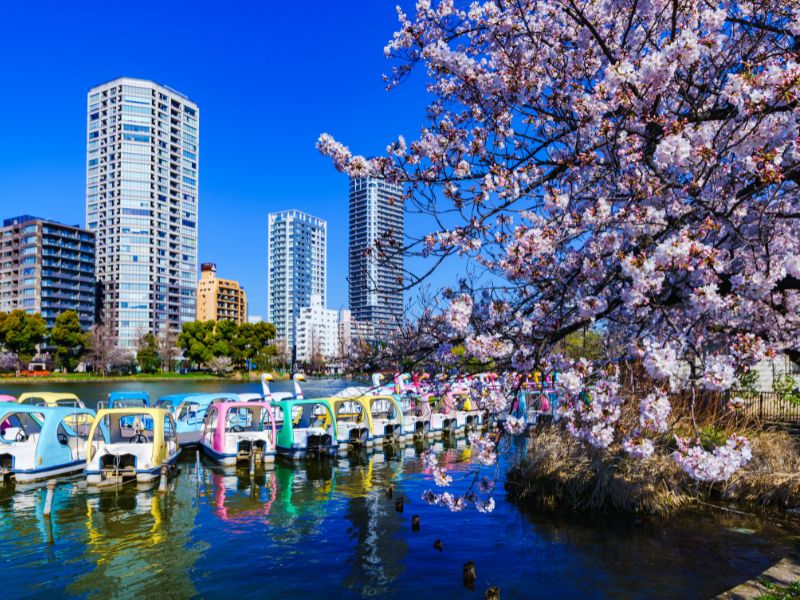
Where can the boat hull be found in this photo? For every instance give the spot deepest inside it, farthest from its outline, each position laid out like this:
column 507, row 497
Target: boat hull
column 231, row 460
column 189, row 438
column 301, row 452
column 142, row 475
column 29, row 476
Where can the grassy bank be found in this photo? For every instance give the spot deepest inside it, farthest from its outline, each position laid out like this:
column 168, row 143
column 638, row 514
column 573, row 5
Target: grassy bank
column 90, row 378
column 559, row 472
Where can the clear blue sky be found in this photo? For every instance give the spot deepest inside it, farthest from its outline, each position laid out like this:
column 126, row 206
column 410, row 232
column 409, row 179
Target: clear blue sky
column 269, row 78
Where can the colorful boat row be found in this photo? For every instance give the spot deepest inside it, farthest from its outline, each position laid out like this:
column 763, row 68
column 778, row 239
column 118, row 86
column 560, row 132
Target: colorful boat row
column 43, row 435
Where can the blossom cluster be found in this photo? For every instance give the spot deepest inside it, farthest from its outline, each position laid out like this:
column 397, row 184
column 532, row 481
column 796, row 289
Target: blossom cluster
column 592, row 415
column 654, row 411
column 717, row 465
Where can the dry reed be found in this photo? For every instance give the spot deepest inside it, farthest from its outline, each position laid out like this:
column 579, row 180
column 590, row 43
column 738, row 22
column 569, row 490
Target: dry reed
column 561, row 472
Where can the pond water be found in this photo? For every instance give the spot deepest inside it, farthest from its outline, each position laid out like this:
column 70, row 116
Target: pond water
column 325, row 529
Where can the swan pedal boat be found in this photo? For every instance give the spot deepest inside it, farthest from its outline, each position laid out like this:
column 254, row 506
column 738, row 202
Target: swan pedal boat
column 118, row 452
column 41, row 442
column 305, row 427
column 455, row 412
column 367, row 419
column 235, row 432
column 189, row 412
column 353, row 423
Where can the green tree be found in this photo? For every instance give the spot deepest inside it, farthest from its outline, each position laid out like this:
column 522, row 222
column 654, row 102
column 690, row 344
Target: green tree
column 147, row 353
column 21, row 333
column 69, row 339
column 224, row 339
column 196, row 339
column 746, row 385
column 586, row 343
column 254, row 342
column 265, row 357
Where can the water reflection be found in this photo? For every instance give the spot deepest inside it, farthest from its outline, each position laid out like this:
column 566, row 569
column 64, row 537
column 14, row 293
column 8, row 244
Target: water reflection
column 325, row 528
column 238, row 497
column 138, row 541
column 378, row 553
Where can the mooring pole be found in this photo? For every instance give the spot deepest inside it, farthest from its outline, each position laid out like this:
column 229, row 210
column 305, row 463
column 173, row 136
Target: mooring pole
column 48, row 502
column 197, row 466
column 162, row 485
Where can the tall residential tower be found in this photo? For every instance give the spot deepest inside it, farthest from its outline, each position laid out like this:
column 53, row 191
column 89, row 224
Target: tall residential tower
column 297, row 255
column 141, row 203
column 376, row 213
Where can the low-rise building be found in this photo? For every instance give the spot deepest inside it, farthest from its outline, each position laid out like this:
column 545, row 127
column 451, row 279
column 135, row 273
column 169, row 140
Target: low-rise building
column 219, row 299
column 317, row 331
column 47, row 267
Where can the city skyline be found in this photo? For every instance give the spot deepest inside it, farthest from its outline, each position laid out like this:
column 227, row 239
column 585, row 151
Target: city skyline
column 250, row 166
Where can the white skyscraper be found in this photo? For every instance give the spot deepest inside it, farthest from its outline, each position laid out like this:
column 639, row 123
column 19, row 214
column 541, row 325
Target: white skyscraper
column 141, row 203
column 376, row 214
column 297, row 257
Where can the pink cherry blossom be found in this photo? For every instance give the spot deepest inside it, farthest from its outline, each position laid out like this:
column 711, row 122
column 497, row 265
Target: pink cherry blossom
column 718, row 465
column 514, row 426
column 624, row 165
column 654, row 411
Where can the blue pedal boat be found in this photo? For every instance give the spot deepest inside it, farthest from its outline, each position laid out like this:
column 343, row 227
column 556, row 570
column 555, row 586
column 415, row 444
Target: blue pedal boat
column 41, row 442
column 133, row 399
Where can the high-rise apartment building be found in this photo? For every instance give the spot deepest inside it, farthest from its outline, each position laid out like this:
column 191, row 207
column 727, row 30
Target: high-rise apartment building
column 141, row 203
column 375, row 278
column 219, row 299
column 297, row 255
column 48, row 268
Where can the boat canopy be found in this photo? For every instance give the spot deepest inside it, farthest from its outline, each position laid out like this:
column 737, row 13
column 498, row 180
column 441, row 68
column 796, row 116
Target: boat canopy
column 241, row 416
column 304, row 412
column 54, row 425
column 352, row 409
column 125, row 399
column 6, row 398
column 173, row 401
column 115, row 430
column 50, row 399
column 384, row 406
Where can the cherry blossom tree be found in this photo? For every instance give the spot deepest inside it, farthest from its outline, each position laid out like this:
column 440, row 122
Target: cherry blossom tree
column 632, row 163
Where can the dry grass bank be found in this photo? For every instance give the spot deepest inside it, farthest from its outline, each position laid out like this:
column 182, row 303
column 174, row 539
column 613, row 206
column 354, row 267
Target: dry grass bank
column 560, row 472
